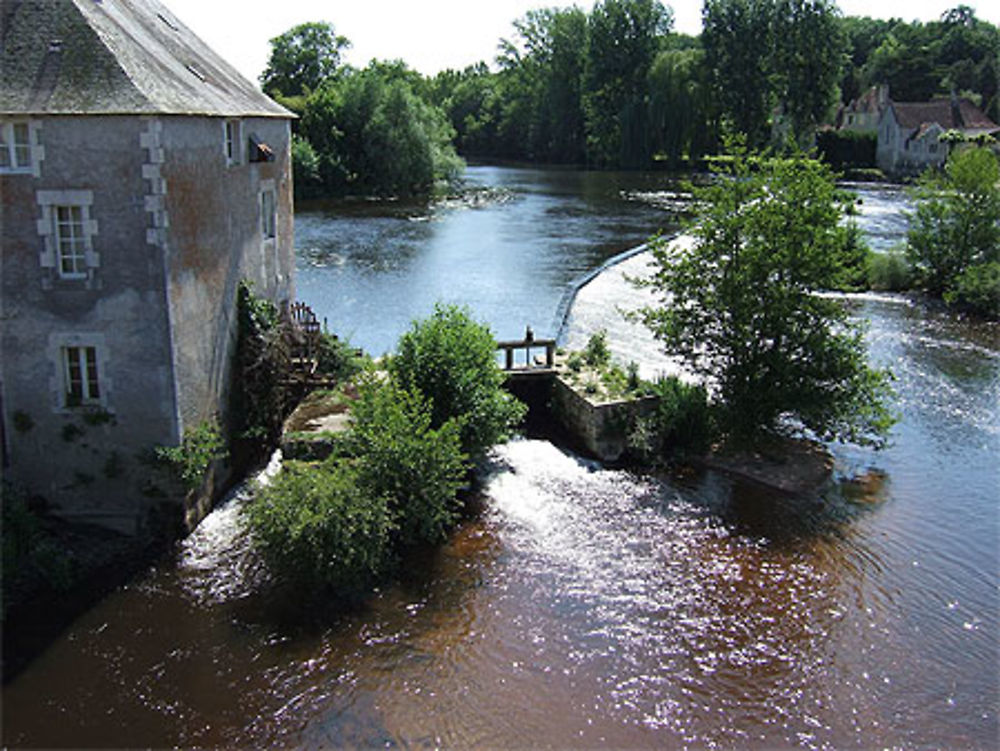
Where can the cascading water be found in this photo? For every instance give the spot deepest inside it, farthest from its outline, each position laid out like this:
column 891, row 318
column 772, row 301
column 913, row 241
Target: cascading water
column 593, row 607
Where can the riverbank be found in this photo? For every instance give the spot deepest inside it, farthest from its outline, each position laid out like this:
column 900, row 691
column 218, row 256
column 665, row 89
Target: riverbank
column 87, row 563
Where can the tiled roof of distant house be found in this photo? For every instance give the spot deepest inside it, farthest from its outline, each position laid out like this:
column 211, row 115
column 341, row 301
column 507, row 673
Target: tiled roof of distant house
column 962, row 115
column 115, row 57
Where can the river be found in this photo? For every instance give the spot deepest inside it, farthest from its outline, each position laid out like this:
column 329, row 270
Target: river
column 582, row 606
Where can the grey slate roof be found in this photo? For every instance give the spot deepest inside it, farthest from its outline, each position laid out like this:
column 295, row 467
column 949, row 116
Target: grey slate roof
column 115, row 57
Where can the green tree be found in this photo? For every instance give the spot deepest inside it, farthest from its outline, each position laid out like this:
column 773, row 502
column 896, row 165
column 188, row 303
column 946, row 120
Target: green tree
column 622, row 41
column 738, row 40
column 302, row 58
column 682, row 112
column 451, row 360
column 400, row 456
column 956, row 224
column 373, row 135
column 542, row 69
column 740, row 306
column 810, row 54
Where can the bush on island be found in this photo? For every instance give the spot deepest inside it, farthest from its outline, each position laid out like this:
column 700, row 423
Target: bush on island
column 419, row 469
column 451, row 360
column 318, row 527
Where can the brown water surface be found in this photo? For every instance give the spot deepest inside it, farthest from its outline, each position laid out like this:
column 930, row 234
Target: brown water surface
column 585, row 607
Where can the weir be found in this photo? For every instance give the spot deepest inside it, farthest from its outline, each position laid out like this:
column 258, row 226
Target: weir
column 557, row 406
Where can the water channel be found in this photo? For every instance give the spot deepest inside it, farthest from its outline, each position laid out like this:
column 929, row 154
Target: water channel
column 582, row 606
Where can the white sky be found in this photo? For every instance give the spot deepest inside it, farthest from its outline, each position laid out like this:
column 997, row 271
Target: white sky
column 431, row 35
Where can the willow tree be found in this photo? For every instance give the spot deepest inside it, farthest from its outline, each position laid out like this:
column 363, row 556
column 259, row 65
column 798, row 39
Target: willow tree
column 740, row 306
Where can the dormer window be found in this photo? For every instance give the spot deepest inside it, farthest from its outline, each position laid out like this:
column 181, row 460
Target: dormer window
column 15, row 146
column 233, row 141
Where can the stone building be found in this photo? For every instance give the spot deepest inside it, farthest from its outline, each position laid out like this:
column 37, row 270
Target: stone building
column 864, row 113
column 909, row 133
column 141, row 179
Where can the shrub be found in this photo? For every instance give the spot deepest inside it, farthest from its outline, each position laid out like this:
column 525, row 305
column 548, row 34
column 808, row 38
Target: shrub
column 189, row 461
column 319, row 528
column 400, row 456
column 597, row 353
column 956, row 224
column 978, row 289
column 337, row 358
column 683, row 420
column 451, row 360
column 258, row 398
column 890, row 272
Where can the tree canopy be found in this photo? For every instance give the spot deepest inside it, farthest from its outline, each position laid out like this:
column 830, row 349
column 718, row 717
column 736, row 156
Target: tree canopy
column 740, row 305
column 302, row 58
column 954, row 234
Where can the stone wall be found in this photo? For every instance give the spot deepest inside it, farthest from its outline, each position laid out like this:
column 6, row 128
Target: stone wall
column 602, row 427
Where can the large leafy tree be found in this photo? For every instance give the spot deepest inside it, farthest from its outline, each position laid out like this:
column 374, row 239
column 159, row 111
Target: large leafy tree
column 811, row 52
column 372, row 135
column 740, row 306
column 302, row 58
column 623, row 39
column 954, row 235
column 681, row 108
column 738, row 40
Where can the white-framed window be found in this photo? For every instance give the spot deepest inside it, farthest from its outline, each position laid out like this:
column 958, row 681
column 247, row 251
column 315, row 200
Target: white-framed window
column 68, row 232
column 15, row 146
column 80, row 376
column 70, row 239
column 268, row 214
column 233, row 141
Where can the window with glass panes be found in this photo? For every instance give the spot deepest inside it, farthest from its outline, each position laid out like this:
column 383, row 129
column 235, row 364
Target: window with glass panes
column 82, row 384
column 15, row 147
column 70, row 241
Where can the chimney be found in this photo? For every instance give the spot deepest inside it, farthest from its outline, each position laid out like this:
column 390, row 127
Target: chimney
column 956, row 111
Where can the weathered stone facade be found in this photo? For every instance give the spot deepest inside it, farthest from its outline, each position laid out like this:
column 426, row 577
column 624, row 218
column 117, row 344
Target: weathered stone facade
column 125, row 233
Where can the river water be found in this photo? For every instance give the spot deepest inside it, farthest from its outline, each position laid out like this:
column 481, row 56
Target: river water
column 583, row 606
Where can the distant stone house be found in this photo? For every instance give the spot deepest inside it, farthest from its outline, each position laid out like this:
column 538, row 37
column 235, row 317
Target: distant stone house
column 909, row 133
column 141, row 179
column 864, row 113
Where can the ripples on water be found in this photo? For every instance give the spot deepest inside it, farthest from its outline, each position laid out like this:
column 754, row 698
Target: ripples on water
column 593, row 607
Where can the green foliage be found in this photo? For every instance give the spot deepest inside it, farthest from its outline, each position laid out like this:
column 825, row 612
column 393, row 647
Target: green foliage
column 305, row 168
column 597, row 353
column 623, row 37
column 337, row 358
column 978, row 289
column 189, row 461
column 372, row 134
column 740, row 306
column 843, row 149
column 71, row 431
column 683, row 419
column 419, row 468
column 302, row 58
column 956, row 225
column 29, row 551
column 853, row 261
column 739, row 44
column 890, row 271
column 451, row 360
column 320, row 529
column 682, row 108
column 258, row 402
column 767, row 52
